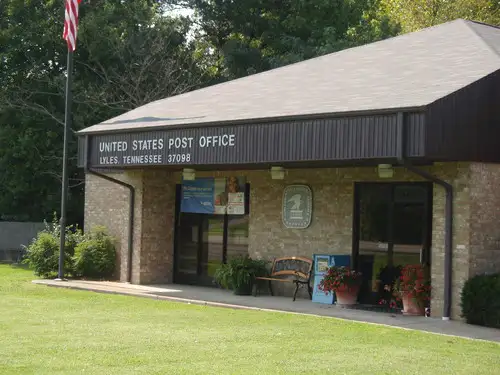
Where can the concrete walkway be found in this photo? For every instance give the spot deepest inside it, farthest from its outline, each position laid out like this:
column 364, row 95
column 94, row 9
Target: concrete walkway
column 223, row 298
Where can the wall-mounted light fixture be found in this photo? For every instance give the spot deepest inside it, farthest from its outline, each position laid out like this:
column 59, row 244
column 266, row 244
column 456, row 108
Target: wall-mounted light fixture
column 385, row 170
column 277, row 173
column 188, row 174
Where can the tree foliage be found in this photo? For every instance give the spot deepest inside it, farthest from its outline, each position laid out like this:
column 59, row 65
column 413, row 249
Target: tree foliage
column 413, row 15
column 128, row 53
column 250, row 36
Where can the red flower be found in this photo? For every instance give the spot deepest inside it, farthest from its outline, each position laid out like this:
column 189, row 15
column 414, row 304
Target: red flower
column 415, row 282
column 337, row 277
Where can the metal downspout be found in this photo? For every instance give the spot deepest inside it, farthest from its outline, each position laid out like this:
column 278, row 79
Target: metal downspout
column 448, row 229
column 131, row 205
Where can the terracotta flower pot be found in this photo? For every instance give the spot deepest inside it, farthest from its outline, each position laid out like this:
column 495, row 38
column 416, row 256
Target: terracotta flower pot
column 412, row 306
column 347, row 295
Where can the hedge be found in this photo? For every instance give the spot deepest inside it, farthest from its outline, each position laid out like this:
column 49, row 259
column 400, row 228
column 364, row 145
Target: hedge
column 480, row 300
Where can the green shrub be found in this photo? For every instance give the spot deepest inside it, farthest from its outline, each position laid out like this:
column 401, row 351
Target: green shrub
column 95, row 256
column 42, row 255
column 481, row 300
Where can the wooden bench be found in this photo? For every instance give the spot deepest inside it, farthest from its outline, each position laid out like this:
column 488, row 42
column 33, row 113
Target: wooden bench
column 296, row 270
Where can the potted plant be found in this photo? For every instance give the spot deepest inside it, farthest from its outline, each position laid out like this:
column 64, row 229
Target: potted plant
column 239, row 274
column 344, row 282
column 414, row 289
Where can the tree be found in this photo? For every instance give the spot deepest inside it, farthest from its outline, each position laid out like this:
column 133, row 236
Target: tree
column 413, row 15
column 250, row 36
column 149, row 64
column 128, row 53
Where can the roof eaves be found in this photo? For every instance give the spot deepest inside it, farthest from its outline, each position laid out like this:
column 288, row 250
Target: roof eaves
column 483, row 24
column 266, row 120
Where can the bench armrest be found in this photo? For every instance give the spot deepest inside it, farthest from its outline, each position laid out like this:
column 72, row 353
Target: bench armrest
column 300, row 278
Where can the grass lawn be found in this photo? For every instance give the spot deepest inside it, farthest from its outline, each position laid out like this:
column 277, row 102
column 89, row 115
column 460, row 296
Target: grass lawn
column 57, row 331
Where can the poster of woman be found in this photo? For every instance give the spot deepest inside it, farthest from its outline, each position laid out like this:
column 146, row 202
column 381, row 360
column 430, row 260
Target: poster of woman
column 230, row 195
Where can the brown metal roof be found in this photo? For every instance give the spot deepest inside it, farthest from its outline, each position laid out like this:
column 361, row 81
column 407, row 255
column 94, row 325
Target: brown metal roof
column 411, row 70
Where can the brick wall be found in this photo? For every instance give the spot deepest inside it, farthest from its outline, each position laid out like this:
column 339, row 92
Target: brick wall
column 475, row 243
column 107, row 204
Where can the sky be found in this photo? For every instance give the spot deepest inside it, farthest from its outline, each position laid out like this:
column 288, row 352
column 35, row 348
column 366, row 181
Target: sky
column 182, row 11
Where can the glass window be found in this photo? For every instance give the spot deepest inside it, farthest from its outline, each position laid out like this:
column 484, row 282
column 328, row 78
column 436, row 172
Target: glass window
column 237, row 236
column 187, row 262
column 212, row 253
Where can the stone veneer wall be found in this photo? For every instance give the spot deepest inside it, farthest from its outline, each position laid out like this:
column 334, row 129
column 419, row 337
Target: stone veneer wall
column 458, row 176
column 476, row 241
column 331, row 227
column 476, row 229
column 485, row 218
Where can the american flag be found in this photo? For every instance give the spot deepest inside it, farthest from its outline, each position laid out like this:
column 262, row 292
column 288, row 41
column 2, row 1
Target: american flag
column 71, row 23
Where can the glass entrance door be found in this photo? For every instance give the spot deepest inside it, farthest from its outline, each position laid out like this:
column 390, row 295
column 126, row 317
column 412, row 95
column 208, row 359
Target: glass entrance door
column 200, row 241
column 187, row 261
column 392, row 228
column 203, row 241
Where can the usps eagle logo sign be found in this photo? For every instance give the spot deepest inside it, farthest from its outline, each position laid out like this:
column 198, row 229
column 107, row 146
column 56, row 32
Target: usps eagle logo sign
column 297, row 206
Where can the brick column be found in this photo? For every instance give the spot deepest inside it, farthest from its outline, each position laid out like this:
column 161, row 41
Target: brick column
column 158, row 213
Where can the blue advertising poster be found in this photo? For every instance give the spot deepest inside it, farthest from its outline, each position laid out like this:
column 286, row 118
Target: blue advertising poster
column 198, row 196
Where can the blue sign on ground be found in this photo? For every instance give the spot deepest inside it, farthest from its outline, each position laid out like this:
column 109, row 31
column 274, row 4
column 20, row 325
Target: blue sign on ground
column 322, row 262
column 198, row 196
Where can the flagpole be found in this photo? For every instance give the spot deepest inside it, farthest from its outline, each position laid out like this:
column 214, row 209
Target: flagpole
column 64, row 190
